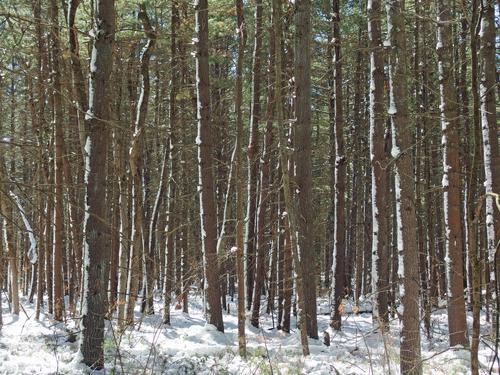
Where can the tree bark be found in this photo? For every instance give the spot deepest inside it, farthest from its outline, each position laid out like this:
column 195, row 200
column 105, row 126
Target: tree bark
column 241, row 35
column 490, row 132
column 405, row 190
column 380, row 246
column 473, row 205
column 263, row 241
column 58, row 162
column 96, row 244
column 451, row 178
column 290, row 206
column 253, row 153
column 137, row 168
column 208, row 214
column 77, row 72
column 302, row 69
column 338, row 267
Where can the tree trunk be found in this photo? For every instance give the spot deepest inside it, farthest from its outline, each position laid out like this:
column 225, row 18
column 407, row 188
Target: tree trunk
column 473, row 206
column 405, row 190
column 491, row 155
column 338, row 268
column 302, row 69
column 263, row 241
column 137, row 169
column 253, row 153
column 451, row 178
column 208, row 214
column 125, row 197
column 58, row 162
column 239, row 178
column 77, row 72
column 9, row 238
column 96, row 244
column 40, row 158
column 302, row 15
column 380, row 246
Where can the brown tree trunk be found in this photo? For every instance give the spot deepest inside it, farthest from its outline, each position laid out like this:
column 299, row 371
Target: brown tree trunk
column 302, row 70
column 473, row 206
column 338, row 267
column 491, row 154
column 96, row 231
column 263, row 241
column 253, row 155
column 77, row 72
column 58, row 162
column 302, row 18
column 37, row 13
column 125, row 196
column 239, row 178
column 137, row 168
column 380, row 246
column 405, row 190
column 9, row 238
column 451, row 178
column 208, row 215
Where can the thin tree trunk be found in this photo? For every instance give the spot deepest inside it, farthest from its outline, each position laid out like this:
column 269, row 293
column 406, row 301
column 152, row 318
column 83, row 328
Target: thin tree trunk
column 473, row 206
column 491, row 154
column 77, row 72
column 125, row 199
column 239, row 178
column 253, row 153
column 58, row 162
column 40, row 159
column 338, row 267
column 380, row 191
column 137, row 168
column 263, row 241
column 9, row 237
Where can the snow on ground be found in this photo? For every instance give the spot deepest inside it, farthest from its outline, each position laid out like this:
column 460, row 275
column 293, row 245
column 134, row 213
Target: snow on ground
column 190, row 346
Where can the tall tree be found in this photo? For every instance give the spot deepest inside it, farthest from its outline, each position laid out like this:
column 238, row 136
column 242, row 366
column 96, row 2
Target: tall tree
column 451, row 177
column 253, row 152
column 58, row 161
column 338, row 266
column 96, row 249
column 241, row 35
column 291, row 211
column 302, row 69
column 208, row 215
column 265, row 194
column 405, row 189
column 380, row 245
column 490, row 132
column 136, row 160
column 37, row 13
column 168, row 162
column 473, row 206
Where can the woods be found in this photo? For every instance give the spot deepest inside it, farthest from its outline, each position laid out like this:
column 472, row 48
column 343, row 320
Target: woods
column 252, row 174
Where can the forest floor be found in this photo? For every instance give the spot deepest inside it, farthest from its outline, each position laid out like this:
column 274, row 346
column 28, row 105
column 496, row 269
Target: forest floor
column 189, row 346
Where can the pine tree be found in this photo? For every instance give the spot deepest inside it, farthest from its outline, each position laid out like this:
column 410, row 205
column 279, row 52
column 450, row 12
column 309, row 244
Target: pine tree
column 96, row 250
